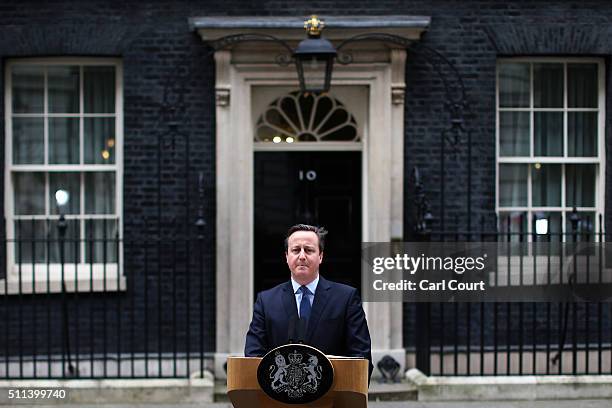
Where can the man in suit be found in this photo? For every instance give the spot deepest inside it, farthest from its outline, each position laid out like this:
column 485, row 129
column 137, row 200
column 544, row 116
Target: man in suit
column 321, row 313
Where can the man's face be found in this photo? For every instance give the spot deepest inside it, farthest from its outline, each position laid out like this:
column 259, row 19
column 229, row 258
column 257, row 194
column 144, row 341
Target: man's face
column 303, row 256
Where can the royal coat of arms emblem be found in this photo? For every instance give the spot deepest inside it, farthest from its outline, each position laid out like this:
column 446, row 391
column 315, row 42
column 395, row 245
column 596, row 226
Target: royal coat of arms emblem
column 295, row 374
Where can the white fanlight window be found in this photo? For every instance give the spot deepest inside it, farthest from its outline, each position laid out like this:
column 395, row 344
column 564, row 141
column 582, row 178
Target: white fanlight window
column 298, row 117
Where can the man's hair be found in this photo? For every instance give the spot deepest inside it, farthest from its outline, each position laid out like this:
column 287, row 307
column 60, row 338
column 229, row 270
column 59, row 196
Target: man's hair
column 320, row 231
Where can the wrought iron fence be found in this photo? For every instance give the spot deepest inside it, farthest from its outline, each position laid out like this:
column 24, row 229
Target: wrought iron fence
column 143, row 307
column 523, row 338
column 105, row 306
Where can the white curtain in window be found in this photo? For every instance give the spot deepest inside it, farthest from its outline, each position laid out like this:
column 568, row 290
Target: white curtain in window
column 514, row 133
column 548, row 133
column 582, row 86
column 63, row 88
column 546, row 185
column 101, row 236
column 512, row 185
column 28, row 89
column 582, row 134
column 99, row 141
column 99, row 89
column 548, row 85
column 514, row 85
column 29, row 193
column 99, row 193
column 28, row 141
column 63, row 141
column 580, row 185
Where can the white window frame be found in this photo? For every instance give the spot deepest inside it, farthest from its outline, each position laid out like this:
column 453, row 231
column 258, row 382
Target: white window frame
column 599, row 160
column 79, row 277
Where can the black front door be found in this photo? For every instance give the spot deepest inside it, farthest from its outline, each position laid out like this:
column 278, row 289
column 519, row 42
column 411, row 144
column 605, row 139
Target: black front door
column 318, row 188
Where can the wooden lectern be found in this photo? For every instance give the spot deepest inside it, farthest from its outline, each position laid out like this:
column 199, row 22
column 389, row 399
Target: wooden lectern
column 349, row 390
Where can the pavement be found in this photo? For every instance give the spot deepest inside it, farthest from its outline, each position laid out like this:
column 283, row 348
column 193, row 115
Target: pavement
column 434, row 392
column 371, row 404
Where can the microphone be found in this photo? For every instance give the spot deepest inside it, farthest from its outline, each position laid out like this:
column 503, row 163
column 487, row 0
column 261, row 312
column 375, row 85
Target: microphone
column 291, row 330
column 302, row 326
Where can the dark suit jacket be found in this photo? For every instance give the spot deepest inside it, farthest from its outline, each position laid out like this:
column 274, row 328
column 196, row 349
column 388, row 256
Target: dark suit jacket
column 337, row 323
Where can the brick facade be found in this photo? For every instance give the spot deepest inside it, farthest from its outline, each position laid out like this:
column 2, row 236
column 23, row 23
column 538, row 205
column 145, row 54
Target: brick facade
column 155, row 44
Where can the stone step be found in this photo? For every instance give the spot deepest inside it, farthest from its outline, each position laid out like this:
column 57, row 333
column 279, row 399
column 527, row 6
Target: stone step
column 401, row 391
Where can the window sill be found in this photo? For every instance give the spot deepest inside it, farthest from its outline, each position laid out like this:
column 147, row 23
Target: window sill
column 43, row 279
column 549, row 270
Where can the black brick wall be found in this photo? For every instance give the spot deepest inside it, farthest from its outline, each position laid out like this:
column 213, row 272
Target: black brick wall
column 152, row 38
column 158, row 55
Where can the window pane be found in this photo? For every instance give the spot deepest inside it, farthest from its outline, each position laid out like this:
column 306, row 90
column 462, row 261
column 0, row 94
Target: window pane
column 28, row 141
column 100, row 193
column 29, row 193
column 101, row 241
column 584, row 224
column 582, row 134
column 69, row 244
column 99, row 89
column 267, row 134
column 554, row 222
column 548, row 85
column 276, row 118
column 324, row 105
column 512, row 226
column 514, row 133
column 63, row 83
column 546, row 182
column 69, row 182
column 582, row 85
column 306, row 104
column 514, row 85
column 30, row 239
column 99, row 141
column 580, row 185
column 63, row 141
column 513, row 222
column 551, row 239
column 548, row 133
column 512, row 185
column 28, row 89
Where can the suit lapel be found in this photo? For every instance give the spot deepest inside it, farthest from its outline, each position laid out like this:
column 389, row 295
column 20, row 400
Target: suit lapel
column 289, row 302
column 321, row 298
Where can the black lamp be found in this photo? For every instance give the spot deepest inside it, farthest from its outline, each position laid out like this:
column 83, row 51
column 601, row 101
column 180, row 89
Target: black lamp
column 61, row 199
column 574, row 218
column 314, row 59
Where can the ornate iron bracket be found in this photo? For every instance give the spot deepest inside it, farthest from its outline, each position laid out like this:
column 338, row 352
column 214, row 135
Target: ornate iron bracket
column 173, row 107
column 231, row 40
column 423, row 217
column 456, row 103
column 457, row 106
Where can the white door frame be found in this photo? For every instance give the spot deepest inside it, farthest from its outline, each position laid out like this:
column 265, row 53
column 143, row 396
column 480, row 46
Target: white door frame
column 383, row 179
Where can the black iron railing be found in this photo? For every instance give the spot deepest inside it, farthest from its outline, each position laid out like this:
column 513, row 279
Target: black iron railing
column 143, row 307
column 105, row 306
column 523, row 338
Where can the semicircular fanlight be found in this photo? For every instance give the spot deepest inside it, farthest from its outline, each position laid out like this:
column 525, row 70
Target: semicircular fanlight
column 298, row 117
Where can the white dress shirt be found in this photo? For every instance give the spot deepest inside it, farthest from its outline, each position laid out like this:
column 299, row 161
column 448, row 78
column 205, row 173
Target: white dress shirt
column 312, row 287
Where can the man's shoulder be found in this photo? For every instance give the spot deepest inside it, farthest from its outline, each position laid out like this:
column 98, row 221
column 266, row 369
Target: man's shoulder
column 273, row 292
column 324, row 284
column 337, row 287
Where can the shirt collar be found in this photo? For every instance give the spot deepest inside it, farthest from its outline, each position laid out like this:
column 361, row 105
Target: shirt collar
column 312, row 286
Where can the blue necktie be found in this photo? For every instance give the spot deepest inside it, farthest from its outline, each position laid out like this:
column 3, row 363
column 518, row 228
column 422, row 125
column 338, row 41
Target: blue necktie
column 305, row 303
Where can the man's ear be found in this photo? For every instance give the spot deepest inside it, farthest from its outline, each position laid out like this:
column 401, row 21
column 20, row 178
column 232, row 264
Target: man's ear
column 321, row 257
